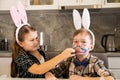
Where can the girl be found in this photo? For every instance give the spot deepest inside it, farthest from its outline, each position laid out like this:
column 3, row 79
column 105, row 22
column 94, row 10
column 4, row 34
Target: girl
column 28, row 61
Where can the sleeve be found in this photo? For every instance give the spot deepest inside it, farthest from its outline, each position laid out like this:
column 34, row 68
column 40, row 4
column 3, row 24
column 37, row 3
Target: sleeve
column 61, row 70
column 24, row 61
column 100, row 68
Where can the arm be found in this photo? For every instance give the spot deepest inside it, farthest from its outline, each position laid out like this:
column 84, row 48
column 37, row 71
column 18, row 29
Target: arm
column 45, row 67
column 77, row 77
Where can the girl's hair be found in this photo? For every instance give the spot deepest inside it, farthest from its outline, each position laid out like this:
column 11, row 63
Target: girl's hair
column 83, row 30
column 15, row 48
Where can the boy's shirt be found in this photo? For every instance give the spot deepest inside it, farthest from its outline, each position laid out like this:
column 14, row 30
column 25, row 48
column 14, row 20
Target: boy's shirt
column 90, row 67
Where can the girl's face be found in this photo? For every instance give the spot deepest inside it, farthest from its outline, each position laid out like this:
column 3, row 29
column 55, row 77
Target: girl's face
column 31, row 41
column 82, row 44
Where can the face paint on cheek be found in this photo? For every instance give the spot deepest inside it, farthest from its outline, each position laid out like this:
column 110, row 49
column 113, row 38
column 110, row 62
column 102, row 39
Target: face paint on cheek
column 83, row 50
column 79, row 49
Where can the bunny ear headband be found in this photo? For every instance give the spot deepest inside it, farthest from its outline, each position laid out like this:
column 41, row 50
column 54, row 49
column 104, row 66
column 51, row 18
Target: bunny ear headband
column 84, row 21
column 19, row 17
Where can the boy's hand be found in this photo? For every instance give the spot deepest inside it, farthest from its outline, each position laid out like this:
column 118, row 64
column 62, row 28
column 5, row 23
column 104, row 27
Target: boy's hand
column 50, row 76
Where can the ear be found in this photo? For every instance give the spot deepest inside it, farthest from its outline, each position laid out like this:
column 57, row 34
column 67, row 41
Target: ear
column 76, row 19
column 20, row 44
column 86, row 18
column 91, row 47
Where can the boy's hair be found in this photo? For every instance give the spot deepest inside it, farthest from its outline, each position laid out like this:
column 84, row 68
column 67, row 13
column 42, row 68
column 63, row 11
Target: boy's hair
column 83, row 30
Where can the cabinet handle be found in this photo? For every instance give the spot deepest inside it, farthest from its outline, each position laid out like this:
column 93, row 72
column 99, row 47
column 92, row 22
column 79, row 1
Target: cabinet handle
column 81, row 1
column 76, row 1
column 105, row 1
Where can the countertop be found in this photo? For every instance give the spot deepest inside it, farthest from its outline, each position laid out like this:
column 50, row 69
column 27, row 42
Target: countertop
column 5, row 54
column 109, row 54
column 30, row 79
column 26, row 79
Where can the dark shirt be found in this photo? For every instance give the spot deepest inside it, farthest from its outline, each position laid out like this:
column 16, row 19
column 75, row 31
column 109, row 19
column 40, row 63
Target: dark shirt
column 24, row 61
column 89, row 67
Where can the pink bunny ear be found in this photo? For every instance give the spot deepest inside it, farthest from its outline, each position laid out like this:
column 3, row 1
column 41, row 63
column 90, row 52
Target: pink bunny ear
column 15, row 16
column 22, row 12
column 76, row 19
column 86, row 19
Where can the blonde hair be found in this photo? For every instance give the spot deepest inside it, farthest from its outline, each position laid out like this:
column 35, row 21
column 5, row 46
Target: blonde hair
column 83, row 30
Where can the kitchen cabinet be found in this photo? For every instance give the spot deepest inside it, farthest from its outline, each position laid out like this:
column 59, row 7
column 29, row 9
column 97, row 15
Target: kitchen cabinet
column 111, row 4
column 90, row 2
column 69, row 2
column 97, row 3
column 42, row 4
column 114, row 66
column 30, row 4
column 6, row 4
column 5, row 63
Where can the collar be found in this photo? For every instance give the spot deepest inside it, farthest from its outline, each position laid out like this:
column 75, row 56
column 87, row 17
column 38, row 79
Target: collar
column 85, row 62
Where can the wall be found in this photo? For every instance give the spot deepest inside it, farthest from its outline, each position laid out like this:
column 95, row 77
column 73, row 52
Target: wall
column 58, row 27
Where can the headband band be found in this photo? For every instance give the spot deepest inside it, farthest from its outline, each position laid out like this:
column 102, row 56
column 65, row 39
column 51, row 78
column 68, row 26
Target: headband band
column 93, row 37
column 83, row 22
column 17, row 31
column 19, row 17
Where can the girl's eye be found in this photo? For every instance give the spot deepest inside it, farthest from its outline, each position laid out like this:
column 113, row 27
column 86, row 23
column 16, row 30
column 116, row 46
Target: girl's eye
column 37, row 38
column 32, row 40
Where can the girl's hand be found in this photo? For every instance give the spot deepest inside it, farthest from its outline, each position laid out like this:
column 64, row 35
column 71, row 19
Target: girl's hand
column 68, row 52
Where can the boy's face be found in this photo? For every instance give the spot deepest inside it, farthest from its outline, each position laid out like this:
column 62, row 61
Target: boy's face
column 82, row 43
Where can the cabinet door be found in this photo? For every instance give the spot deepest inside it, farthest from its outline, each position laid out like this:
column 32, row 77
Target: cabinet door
column 90, row 2
column 42, row 4
column 111, row 4
column 68, row 2
column 6, row 4
column 114, row 62
column 114, row 66
column 5, row 67
column 116, row 73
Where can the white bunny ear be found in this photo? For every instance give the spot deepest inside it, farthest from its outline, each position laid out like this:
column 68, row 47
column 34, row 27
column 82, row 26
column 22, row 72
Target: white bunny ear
column 86, row 19
column 15, row 16
column 76, row 19
column 22, row 12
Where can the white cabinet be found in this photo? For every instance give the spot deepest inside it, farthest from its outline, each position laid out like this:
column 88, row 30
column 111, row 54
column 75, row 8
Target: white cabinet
column 111, row 4
column 6, row 4
column 69, row 2
column 90, row 2
column 5, row 63
column 114, row 66
column 42, row 4
column 30, row 4
column 80, row 3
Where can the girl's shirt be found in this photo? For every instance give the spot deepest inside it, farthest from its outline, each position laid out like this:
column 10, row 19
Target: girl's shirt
column 24, row 61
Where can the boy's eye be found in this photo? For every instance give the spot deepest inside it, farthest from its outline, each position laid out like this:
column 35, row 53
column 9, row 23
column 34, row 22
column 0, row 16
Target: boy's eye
column 83, row 41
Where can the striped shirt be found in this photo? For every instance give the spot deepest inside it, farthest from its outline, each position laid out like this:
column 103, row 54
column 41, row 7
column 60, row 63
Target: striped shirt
column 89, row 67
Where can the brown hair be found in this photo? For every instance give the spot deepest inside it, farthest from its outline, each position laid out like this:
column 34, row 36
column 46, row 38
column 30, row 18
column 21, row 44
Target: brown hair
column 82, row 30
column 23, row 30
